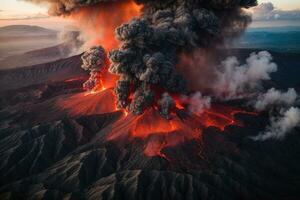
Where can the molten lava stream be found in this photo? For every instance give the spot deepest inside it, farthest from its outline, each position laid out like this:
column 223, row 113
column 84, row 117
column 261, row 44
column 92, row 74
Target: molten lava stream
column 221, row 116
column 89, row 103
column 156, row 132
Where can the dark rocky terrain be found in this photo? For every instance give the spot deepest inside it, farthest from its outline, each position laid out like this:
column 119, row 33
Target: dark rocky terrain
column 43, row 73
column 48, row 152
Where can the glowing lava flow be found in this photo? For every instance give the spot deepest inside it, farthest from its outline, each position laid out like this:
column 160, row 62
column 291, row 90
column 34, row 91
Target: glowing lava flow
column 159, row 133
column 88, row 103
column 221, row 116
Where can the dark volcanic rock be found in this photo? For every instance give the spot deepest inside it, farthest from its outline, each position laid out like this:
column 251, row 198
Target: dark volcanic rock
column 49, row 72
column 45, row 153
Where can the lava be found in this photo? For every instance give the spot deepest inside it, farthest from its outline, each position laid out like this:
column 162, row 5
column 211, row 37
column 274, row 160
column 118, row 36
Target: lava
column 156, row 131
column 106, row 81
column 222, row 116
column 159, row 133
column 100, row 21
column 88, row 103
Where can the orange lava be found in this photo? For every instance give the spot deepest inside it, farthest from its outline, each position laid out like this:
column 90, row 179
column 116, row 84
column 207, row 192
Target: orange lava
column 88, row 103
column 221, row 116
column 106, row 81
column 159, row 133
column 152, row 122
column 100, row 21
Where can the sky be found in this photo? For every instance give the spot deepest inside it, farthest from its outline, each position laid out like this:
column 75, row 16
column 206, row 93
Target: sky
column 21, row 12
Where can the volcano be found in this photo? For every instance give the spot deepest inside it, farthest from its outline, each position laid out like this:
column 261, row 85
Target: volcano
column 58, row 141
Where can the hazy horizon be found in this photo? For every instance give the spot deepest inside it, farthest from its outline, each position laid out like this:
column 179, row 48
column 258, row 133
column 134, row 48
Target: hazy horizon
column 16, row 12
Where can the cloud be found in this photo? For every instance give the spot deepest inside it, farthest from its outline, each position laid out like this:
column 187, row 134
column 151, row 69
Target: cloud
column 24, row 17
column 235, row 80
column 280, row 126
column 197, row 103
column 267, row 11
column 274, row 97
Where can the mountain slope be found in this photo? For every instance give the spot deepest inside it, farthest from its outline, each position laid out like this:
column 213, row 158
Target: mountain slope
column 48, row 152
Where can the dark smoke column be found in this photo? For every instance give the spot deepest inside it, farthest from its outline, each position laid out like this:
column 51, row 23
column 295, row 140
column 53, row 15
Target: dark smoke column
column 93, row 60
column 146, row 60
column 150, row 46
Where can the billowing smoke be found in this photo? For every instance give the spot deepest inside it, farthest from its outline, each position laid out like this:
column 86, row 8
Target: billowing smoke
column 151, row 44
column 93, row 60
column 281, row 125
column 196, row 102
column 96, row 19
column 66, row 7
column 283, row 115
column 235, row 80
column 71, row 39
column 166, row 105
column 275, row 97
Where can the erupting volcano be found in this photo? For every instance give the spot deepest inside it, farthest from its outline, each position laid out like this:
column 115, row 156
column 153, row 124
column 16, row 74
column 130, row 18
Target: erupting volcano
column 138, row 45
column 155, row 106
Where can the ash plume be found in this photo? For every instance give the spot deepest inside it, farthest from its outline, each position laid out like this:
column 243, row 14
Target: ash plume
column 66, row 7
column 151, row 44
column 93, row 60
column 281, row 125
column 275, row 97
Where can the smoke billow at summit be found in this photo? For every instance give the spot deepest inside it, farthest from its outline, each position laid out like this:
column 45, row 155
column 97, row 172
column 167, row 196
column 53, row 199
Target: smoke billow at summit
column 155, row 59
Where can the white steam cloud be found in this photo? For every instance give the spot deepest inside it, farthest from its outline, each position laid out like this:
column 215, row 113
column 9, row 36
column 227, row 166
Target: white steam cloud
column 71, row 40
column 282, row 125
column 275, row 97
column 267, row 11
column 197, row 103
column 235, row 80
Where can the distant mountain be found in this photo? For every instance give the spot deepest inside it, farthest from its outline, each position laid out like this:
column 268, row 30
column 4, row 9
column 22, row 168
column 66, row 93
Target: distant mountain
column 42, row 73
column 24, row 31
column 38, row 56
column 281, row 39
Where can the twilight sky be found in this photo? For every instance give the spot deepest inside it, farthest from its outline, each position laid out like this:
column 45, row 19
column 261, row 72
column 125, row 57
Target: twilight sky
column 20, row 12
